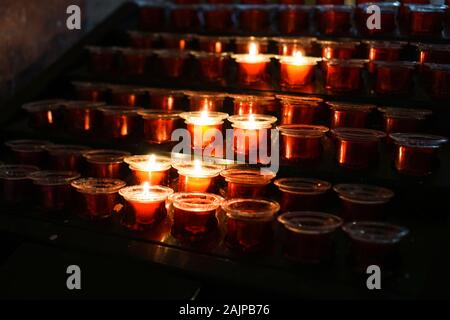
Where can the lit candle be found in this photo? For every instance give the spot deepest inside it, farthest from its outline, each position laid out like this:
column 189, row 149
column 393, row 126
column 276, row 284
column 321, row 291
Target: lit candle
column 297, row 70
column 252, row 66
column 250, row 131
column 199, row 123
column 150, row 169
column 145, row 204
column 197, row 176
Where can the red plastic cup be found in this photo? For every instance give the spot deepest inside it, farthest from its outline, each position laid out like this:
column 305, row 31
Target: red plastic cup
column 301, row 142
column 334, row 20
column 211, row 66
column 159, row 125
column 81, row 117
column 300, row 110
column 425, row 20
column 105, row 163
column 404, row 119
column 246, row 182
column 119, row 122
column 349, row 115
column 45, row 115
column 15, row 184
column 394, row 77
column 344, row 75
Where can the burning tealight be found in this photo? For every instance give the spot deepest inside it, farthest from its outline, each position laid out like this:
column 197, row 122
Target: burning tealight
column 150, row 169
column 297, row 70
column 252, row 67
column 197, row 176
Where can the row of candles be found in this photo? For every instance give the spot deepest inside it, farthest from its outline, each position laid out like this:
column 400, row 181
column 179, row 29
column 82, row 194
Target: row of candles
column 255, row 70
column 418, row 20
column 196, row 209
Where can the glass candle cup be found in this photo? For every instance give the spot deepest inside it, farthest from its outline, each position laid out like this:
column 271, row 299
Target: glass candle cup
column 165, row 99
column 172, row 63
column 31, row 152
column 433, row 53
column 218, row 18
column 349, row 115
column 344, row 49
column 15, row 184
column 66, row 157
column 211, row 66
column 297, row 71
column 388, row 19
column 159, row 125
column 300, row 110
column 126, row 95
column 194, row 214
column 362, row 202
column 176, row 41
column 394, row 77
column 89, row 91
column 308, row 235
column 344, row 75
column 255, row 44
column 152, row 17
column 135, row 61
column 46, row 114
column 145, row 205
column 185, row 18
column 119, row 122
column 98, row 197
column 150, row 169
column 437, row 79
column 252, row 68
column 205, row 101
column 248, row 104
column 53, row 189
column 293, row 19
column 81, row 117
column 197, row 176
column 105, row 163
column 404, row 119
column 203, row 126
column 143, row 40
column 357, row 148
column 425, row 20
column 301, row 142
column 102, row 60
column 249, row 224
column 246, row 182
column 384, row 51
column 374, row 243
column 251, row 134
column 334, row 19
column 302, row 193
column 254, row 18
column 289, row 46
column 416, row 154
column 214, row 44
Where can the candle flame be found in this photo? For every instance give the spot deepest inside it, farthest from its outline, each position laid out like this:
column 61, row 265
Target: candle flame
column 170, row 103
column 253, row 49
column 146, row 189
column 49, row 117
column 151, row 162
column 204, row 115
column 218, row 47
column 251, row 122
column 124, row 128
column 206, row 104
column 182, row 44
column 299, row 59
column 197, row 166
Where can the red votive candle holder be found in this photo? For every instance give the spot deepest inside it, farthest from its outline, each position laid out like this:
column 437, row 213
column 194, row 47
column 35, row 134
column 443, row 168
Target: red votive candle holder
column 334, row 19
column 105, row 163
column 384, row 51
column 349, row 115
column 433, row 53
column 404, row 119
column 394, row 77
column 205, row 101
column 248, row 104
column 300, row 110
column 357, row 148
column 214, row 44
column 297, row 71
column 194, row 214
column 152, row 17
column 289, row 46
column 247, row 182
column 211, row 66
column 99, row 198
column 102, row 60
column 252, row 68
column 172, row 63
column 89, row 91
column 176, row 41
column 361, row 202
column 126, row 96
column 437, row 79
column 251, row 44
column 346, row 49
column 159, row 125
column 388, row 18
column 218, row 18
column 185, row 18
column 144, row 40
column 293, row 19
column 252, row 136
column 416, row 154
column 135, row 61
column 53, row 189
column 203, row 126
column 302, row 193
column 150, row 169
column 308, row 235
column 301, row 142
column 81, row 117
column 249, row 224
column 425, row 20
column 344, row 75
column 31, row 152
column 165, row 99
column 145, row 205
column 66, row 157
column 374, row 243
column 46, row 114
column 254, row 18
column 15, row 184
column 197, row 176
column 119, row 122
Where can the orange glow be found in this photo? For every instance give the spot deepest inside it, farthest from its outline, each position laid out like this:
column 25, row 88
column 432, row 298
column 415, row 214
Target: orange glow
column 124, row 127
column 170, row 103
column 49, row 117
column 218, row 47
column 253, row 49
column 87, row 120
column 182, row 44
